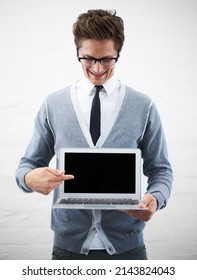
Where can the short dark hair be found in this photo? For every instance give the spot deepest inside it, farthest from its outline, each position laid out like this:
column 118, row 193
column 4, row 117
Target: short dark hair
column 100, row 25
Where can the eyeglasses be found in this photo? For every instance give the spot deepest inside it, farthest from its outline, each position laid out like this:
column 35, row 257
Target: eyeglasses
column 105, row 61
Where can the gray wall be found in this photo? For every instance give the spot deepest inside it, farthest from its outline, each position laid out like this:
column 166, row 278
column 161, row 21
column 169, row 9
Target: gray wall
column 37, row 56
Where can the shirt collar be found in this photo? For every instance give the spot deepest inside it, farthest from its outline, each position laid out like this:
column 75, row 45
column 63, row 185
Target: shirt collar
column 109, row 85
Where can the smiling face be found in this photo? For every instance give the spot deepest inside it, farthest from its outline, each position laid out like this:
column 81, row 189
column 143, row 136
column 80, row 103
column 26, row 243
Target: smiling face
column 90, row 48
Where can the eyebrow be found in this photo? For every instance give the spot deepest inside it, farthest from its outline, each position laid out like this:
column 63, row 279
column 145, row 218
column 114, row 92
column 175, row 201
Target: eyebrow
column 104, row 57
column 89, row 56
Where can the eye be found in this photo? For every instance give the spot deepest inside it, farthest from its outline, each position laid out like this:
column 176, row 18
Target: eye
column 89, row 59
column 107, row 59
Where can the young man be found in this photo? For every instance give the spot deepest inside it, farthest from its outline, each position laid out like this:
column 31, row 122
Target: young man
column 128, row 119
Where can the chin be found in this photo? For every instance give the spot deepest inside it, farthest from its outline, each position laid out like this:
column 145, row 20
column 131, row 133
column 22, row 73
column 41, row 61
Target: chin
column 97, row 80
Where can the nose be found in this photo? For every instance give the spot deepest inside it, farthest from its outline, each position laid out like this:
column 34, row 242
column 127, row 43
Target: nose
column 97, row 67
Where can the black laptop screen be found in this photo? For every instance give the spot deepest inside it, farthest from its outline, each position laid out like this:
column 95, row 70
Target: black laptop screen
column 100, row 172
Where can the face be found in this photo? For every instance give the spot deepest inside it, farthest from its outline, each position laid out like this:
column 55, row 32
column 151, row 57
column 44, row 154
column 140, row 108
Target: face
column 97, row 74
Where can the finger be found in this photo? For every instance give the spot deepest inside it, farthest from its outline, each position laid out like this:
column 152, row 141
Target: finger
column 68, row 177
column 55, row 172
column 59, row 179
column 140, row 215
column 55, row 182
column 133, row 213
column 60, row 174
column 145, row 200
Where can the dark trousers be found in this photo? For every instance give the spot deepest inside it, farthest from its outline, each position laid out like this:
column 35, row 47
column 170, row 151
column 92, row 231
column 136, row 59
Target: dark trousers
column 138, row 253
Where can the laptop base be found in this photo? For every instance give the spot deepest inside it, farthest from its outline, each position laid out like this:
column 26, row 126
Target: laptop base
column 102, row 204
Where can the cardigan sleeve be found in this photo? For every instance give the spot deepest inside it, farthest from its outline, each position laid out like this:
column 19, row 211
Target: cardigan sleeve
column 156, row 165
column 39, row 151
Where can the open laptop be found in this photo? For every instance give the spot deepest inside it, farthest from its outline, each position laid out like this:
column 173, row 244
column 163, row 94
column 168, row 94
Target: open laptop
column 104, row 179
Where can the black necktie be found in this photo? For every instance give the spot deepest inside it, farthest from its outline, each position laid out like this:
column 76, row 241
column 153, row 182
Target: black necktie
column 95, row 116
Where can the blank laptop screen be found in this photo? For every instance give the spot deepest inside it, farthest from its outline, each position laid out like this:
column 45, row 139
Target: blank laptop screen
column 100, row 172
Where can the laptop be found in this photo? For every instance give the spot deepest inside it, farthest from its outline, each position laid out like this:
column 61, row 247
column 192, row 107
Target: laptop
column 104, row 178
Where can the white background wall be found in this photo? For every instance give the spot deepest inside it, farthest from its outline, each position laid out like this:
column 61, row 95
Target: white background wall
column 37, row 56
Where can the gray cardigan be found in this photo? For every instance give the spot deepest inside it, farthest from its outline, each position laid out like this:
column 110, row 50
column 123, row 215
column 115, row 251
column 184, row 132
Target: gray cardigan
column 135, row 124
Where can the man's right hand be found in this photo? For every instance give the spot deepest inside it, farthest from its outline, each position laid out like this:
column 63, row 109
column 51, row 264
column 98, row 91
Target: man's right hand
column 45, row 179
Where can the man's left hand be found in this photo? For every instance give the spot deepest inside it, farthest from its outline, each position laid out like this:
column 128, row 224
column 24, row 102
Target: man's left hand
column 148, row 201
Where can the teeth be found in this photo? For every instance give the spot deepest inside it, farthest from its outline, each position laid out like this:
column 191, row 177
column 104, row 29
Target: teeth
column 98, row 75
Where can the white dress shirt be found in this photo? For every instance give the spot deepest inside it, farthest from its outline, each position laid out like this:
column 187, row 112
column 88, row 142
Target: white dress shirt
column 108, row 97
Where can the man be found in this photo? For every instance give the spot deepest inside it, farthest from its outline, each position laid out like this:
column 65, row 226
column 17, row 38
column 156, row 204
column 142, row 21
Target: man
column 129, row 119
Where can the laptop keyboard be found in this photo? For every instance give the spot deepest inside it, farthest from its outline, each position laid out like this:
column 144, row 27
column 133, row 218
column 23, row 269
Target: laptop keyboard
column 99, row 201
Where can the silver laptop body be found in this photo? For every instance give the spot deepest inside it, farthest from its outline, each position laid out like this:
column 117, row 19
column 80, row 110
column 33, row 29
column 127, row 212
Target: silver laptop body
column 105, row 178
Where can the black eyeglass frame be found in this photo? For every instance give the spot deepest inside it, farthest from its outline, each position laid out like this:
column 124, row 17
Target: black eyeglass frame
column 98, row 59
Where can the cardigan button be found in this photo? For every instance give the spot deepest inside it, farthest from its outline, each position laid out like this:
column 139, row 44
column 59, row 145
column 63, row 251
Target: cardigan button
column 98, row 226
column 85, row 250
